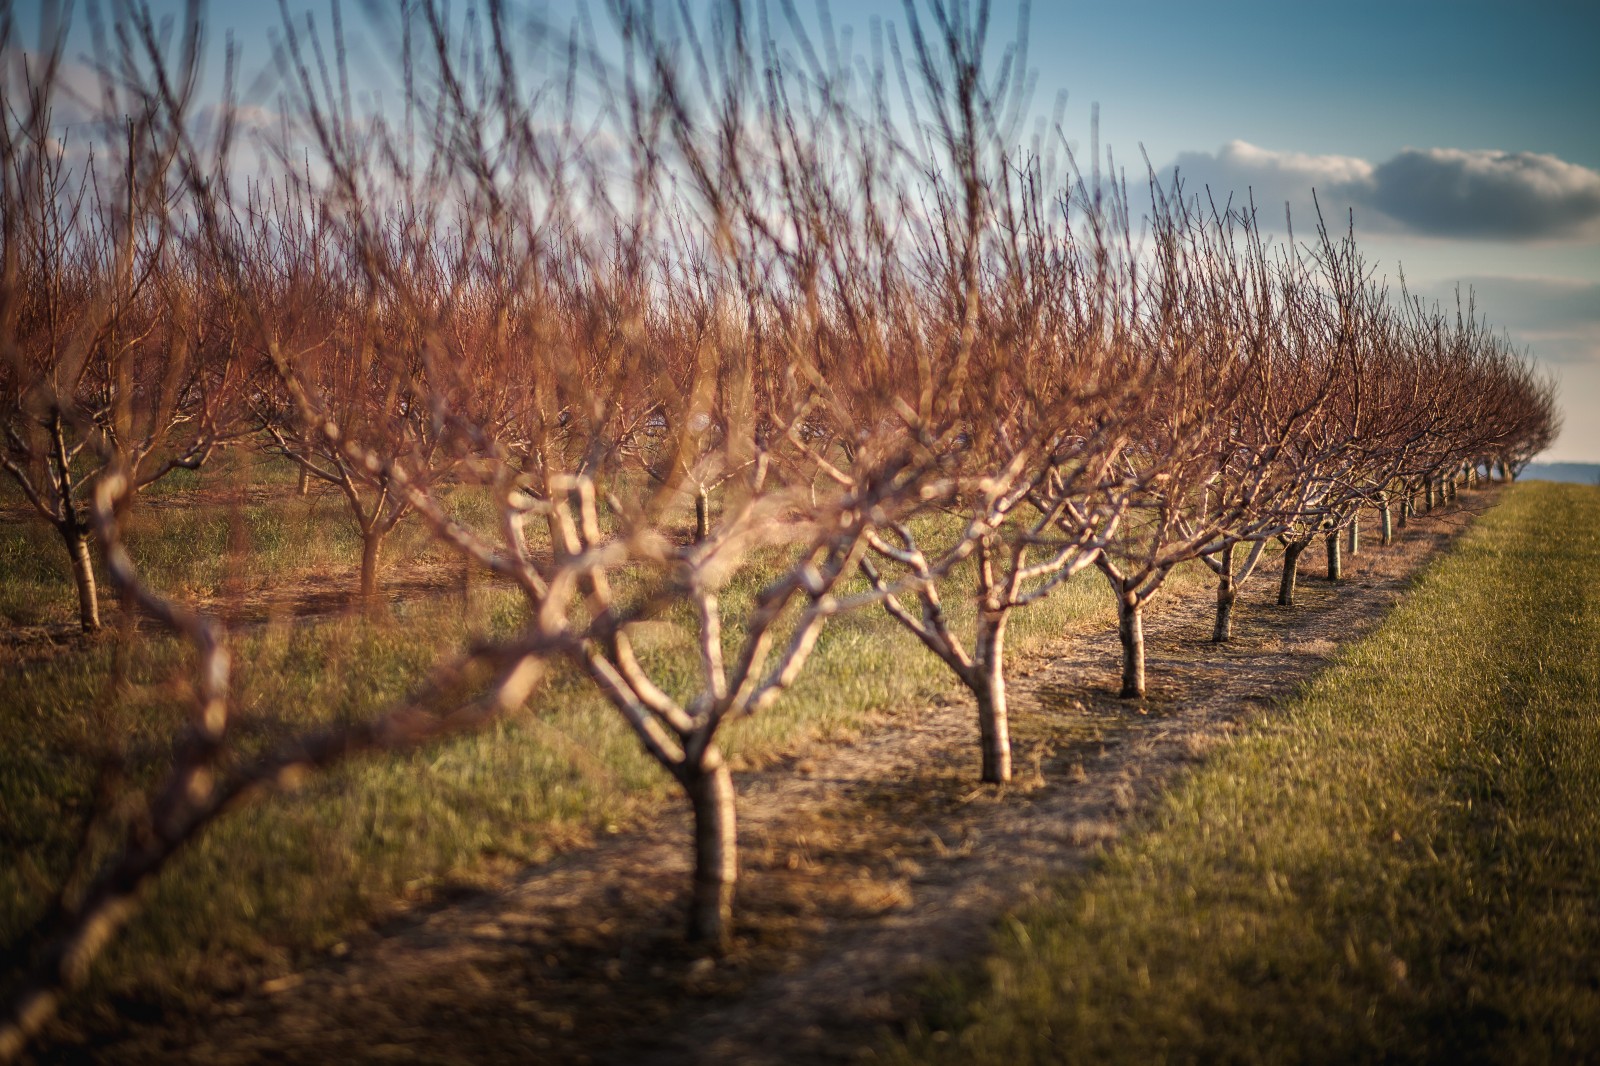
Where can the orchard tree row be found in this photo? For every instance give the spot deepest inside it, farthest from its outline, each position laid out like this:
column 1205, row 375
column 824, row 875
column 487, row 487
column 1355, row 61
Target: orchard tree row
column 701, row 301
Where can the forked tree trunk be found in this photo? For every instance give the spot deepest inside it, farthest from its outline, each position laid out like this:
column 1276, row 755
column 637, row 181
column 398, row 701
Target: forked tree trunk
column 73, row 531
column 1291, row 566
column 1335, row 563
column 1130, row 628
column 1387, row 517
column 1355, row 537
column 77, row 542
column 1222, row 632
column 716, row 850
column 988, row 684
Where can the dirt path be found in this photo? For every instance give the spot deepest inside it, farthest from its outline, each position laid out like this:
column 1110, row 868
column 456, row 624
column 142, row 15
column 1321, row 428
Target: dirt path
column 865, row 866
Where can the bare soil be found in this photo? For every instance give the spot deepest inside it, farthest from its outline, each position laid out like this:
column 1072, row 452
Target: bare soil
column 867, row 866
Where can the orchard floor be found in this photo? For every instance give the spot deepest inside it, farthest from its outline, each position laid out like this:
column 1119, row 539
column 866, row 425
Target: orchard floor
column 866, row 866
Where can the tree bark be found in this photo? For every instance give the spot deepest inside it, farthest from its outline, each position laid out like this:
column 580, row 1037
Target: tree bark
column 1428, row 494
column 1222, row 632
column 1335, row 564
column 1291, row 564
column 702, row 515
column 371, row 552
column 83, row 577
column 1387, row 517
column 1355, row 537
column 994, row 730
column 716, row 850
column 1130, row 628
column 304, row 488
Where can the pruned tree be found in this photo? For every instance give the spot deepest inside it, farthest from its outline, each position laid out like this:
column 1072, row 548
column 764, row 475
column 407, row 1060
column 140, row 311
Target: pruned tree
column 112, row 344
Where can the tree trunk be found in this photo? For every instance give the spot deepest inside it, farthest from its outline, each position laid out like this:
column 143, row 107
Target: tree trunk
column 83, row 576
column 304, row 488
column 371, row 550
column 1405, row 510
column 1222, row 632
column 1355, row 537
column 1291, row 564
column 1335, row 564
column 702, row 515
column 716, row 850
column 1428, row 493
column 1387, row 517
column 1130, row 628
column 994, row 730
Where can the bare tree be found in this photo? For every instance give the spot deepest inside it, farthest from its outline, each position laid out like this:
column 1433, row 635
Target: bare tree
column 112, row 344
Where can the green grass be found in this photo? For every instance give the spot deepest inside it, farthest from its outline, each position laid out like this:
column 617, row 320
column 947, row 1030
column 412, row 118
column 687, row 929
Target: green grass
column 1404, row 864
column 296, row 873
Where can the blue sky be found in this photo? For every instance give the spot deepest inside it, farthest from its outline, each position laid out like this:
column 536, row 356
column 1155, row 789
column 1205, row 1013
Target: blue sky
column 1465, row 134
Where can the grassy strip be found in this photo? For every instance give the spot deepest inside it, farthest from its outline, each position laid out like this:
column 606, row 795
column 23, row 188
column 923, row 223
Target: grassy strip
column 1404, row 865
column 295, row 873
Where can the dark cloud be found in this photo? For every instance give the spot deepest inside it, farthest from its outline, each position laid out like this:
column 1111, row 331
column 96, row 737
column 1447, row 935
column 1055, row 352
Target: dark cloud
column 1446, row 192
column 1436, row 192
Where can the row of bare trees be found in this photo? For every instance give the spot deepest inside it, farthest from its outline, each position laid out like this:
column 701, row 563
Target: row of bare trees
column 719, row 300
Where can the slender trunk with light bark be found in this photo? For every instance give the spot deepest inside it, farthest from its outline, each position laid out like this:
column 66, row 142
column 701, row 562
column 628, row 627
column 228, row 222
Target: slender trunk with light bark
column 1355, row 537
column 1130, row 629
column 304, row 488
column 1428, row 494
column 371, row 553
column 74, row 531
column 988, row 684
column 1291, row 566
column 1222, row 631
column 77, row 541
column 1386, row 516
column 1335, row 563
column 716, row 850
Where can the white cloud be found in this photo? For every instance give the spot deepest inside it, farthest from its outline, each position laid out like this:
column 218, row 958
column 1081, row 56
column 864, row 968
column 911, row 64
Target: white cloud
column 1272, row 179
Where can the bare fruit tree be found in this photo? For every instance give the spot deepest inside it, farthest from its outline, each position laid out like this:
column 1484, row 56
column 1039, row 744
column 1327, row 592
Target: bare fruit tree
column 112, row 343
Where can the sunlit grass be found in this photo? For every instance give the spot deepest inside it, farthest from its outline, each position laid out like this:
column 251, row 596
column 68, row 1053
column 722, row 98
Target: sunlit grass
column 1404, row 864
